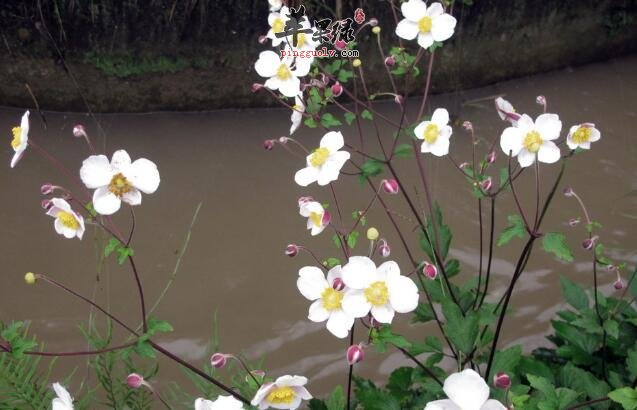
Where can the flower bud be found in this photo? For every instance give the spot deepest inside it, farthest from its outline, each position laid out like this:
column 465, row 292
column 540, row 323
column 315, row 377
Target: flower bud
column 430, row 271
column 256, row 87
column 46, row 204
column 218, row 360
column 356, row 63
column 79, row 131
column 268, row 144
column 30, row 278
column 541, row 100
column 338, row 284
column 491, row 157
column 283, row 140
column 291, row 250
column 340, row 44
column 372, row 234
column 568, row 192
column 390, row 186
column 390, row 61
column 376, row 30
column 337, row 89
column 354, row 354
column 486, row 184
column 502, row 381
column 467, row 125
column 384, row 249
column 373, row 22
column 589, row 243
column 463, row 165
column 46, row 189
column 619, row 284
column 262, row 39
column 134, row 381
column 399, row 99
column 573, row 222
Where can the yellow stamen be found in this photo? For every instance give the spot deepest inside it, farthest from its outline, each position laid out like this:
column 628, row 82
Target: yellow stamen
column 283, row 72
column 119, row 185
column 377, row 293
column 17, row 137
column 533, row 141
column 424, row 24
column 300, row 40
column 316, row 218
column 319, row 156
column 331, row 299
column 68, row 220
column 431, row 133
column 281, row 395
column 583, row 134
column 278, row 26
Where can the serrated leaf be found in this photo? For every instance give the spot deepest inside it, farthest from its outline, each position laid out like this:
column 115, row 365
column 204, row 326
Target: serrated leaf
column 329, row 120
column 626, row 396
column 349, row 117
column 404, row 150
column 555, row 243
column 366, row 114
column 516, row 228
column 310, row 123
column 574, row 294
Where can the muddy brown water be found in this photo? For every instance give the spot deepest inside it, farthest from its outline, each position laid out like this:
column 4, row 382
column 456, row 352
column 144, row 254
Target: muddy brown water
column 235, row 266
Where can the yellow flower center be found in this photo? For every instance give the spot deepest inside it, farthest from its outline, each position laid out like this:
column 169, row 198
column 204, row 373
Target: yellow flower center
column 283, row 72
column 316, row 218
column 300, row 40
column 377, row 293
column 68, row 220
column 431, row 133
column 331, row 299
column 17, row 137
column 119, row 185
column 278, row 26
column 319, row 156
column 424, row 24
column 281, row 395
column 532, row 141
column 583, row 134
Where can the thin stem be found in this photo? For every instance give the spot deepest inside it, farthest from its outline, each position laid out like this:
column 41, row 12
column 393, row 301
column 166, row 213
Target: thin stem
column 427, row 83
column 419, row 364
column 80, row 352
column 491, row 237
column 350, row 372
column 588, row 403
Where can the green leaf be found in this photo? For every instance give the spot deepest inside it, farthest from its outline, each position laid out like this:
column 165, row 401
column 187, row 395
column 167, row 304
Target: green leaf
column 444, row 235
column 383, row 336
column 631, row 363
column 349, row 117
column 506, row 360
column 310, row 123
column 370, row 168
column 352, row 239
column 156, row 325
column 123, row 253
column 336, row 401
column 504, row 177
column 516, row 228
column 367, row 115
column 328, row 120
column 612, row 328
column 331, row 262
column 110, row 247
column 404, row 150
column 344, row 75
column 144, row 349
column 574, row 294
column 462, row 331
column 625, row 396
column 555, row 243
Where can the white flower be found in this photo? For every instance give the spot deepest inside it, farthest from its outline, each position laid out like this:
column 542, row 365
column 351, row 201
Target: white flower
column 297, row 113
column 275, row 4
column 382, row 291
column 429, row 24
column 63, row 401
column 222, row 403
column 67, row 222
column 506, row 111
column 117, row 181
column 20, row 139
column 325, row 163
column 581, row 136
column 327, row 303
column 304, row 44
column 280, row 74
column 317, row 217
column 277, row 20
column 528, row 140
column 435, row 133
column 466, row 391
column 286, row 392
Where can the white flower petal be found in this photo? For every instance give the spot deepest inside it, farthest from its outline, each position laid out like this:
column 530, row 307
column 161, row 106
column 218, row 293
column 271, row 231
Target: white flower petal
column 419, row 131
column 59, row 227
column 358, row 272
column 407, row 29
column 440, row 117
column 403, row 294
column 290, row 87
column 549, row 126
column 306, row 176
column 144, row 175
column 525, row 124
column 442, row 27
column 355, row 304
column 317, row 312
column 311, row 282
column 383, row 314
column 388, row 270
column 526, row 158
column 120, row 160
column 331, row 169
column 63, row 394
column 425, row 40
column 261, row 394
column 435, row 9
column 441, row 405
column 291, row 381
column 466, row 389
column 105, row 202
column 511, row 141
column 493, row 405
column 333, row 141
column 414, row 10
column 17, row 156
column 339, row 323
column 302, row 393
column 132, row 197
column 267, row 64
column 203, row 404
column 440, row 147
column 96, row 171
column 334, row 273
column 549, row 153
column 595, row 135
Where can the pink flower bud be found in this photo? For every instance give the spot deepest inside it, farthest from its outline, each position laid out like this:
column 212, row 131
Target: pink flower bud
column 373, row 22
column 399, row 99
column 268, row 144
column 463, row 165
column 430, row 271
column 292, row 250
column 340, row 44
column 338, row 284
column 327, row 217
column 589, row 243
column 134, row 381
column 541, row 100
column 390, row 61
column 218, row 360
column 262, row 39
column 573, row 222
column 486, row 184
column 79, row 131
column 256, row 87
column 384, row 249
column 502, row 381
column 568, row 191
column 46, row 189
column 467, row 125
column 491, row 157
column 619, row 284
column 354, row 354
column 283, row 140
column 337, row 89
column 46, row 204
column 390, row 186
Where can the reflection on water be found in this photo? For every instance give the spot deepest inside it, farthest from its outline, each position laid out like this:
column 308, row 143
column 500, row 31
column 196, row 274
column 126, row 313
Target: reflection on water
column 235, row 264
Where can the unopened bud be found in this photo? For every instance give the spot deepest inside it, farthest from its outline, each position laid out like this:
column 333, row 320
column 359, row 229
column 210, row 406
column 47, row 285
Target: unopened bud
column 30, row 278
column 337, row 89
column 268, row 144
column 430, row 271
column 390, row 186
column 463, row 165
column 568, row 191
column 384, row 249
column 46, row 204
column 134, row 381
column 399, row 99
column 502, row 381
column 372, row 234
column 373, row 22
column 357, row 62
column 284, row 140
column 340, row 44
column 218, row 360
column 262, row 39
column 390, row 61
column 491, row 157
column 619, row 284
column 541, row 100
column 573, row 221
column 46, row 189
column 256, row 87
column 79, row 131
column 354, row 354
column 467, row 125
column 338, row 284
column 291, row 250
column 376, row 30
column 589, row 243
column 486, row 184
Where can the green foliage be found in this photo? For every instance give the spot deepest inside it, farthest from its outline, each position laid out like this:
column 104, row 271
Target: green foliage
column 129, row 65
column 626, row 396
column 515, row 229
column 555, row 243
column 123, row 252
column 370, row 168
column 444, row 236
